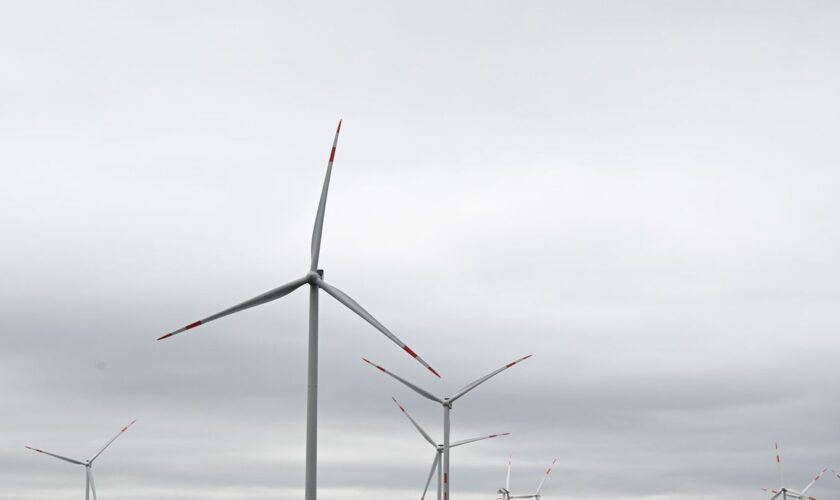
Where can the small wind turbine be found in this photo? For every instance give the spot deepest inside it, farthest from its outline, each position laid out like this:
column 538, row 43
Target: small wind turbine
column 505, row 492
column 447, row 406
column 88, row 464
column 436, row 463
column 315, row 279
column 786, row 493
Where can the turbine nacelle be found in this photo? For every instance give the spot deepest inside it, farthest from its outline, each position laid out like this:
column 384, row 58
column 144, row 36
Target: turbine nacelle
column 312, row 277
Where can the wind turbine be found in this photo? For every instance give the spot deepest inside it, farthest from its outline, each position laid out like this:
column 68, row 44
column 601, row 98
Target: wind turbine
column 436, row 463
column 315, row 279
column 505, row 492
column 447, row 406
column 88, row 464
column 786, row 493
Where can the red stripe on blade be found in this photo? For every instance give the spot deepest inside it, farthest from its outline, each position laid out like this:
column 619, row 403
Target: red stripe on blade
column 433, row 371
column 166, row 336
column 408, row 350
column 339, row 127
column 192, row 325
column 332, row 154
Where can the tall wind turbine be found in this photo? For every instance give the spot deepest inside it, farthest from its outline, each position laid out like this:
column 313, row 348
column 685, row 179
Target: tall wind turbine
column 505, row 492
column 88, row 464
column 786, row 493
column 436, row 463
column 447, row 406
column 315, row 279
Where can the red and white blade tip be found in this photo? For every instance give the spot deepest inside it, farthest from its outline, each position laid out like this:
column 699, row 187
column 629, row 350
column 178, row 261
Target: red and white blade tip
column 414, row 355
column 129, row 425
column 339, row 126
column 398, row 403
column 497, row 435
column 188, row 327
column 374, row 364
column 518, row 361
column 34, row 449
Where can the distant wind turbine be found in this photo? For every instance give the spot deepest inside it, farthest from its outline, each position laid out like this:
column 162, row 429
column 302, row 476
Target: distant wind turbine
column 436, row 463
column 786, row 493
column 88, row 464
column 505, row 492
column 447, row 406
column 315, row 279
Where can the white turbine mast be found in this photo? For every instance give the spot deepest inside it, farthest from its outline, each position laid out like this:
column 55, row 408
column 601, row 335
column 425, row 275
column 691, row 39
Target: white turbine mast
column 505, row 492
column 436, row 463
column 315, row 279
column 90, row 486
column 784, row 492
column 446, row 403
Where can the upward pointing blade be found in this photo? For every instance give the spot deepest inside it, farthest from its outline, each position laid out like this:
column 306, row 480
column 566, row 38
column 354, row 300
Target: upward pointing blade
column 814, row 481
column 539, row 488
column 416, row 425
column 56, row 456
column 258, row 300
column 779, row 465
column 356, row 308
column 322, row 206
column 485, row 378
column 507, row 480
column 111, row 441
column 426, row 394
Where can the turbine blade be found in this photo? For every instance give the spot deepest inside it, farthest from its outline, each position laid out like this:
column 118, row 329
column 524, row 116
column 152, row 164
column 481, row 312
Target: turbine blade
column 813, row 481
column 485, row 378
column 92, row 483
column 111, row 441
column 426, row 394
column 258, row 300
column 56, row 456
column 356, row 308
column 779, row 465
column 431, row 473
column 472, row 440
column 547, row 472
column 416, row 425
column 507, row 481
column 322, row 206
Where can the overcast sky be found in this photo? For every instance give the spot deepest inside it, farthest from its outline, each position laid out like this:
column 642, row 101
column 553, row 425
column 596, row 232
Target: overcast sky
column 644, row 195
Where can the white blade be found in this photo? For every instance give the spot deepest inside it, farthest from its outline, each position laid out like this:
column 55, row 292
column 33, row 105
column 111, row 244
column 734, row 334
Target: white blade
column 539, row 488
column 258, row 300
column 507, row 481
column 92, row 484
column 779, row 465
column 322, row 206
column 813, row 481
column 111, row 441
column 473, row 440
column 416, row 425
column 431, row 473
column 426, row 394
column 356, row 308
column 56, row 456
column 485, row 378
